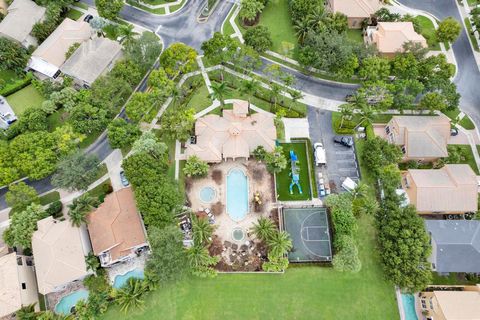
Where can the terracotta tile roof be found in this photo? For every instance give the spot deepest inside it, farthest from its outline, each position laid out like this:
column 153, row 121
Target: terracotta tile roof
column 116, row 226
column 391, row 36
column 459, row 305
column 356, row 8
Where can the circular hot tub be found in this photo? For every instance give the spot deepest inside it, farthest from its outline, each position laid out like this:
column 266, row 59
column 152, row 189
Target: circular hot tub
column 238, row 234
column 207, row 194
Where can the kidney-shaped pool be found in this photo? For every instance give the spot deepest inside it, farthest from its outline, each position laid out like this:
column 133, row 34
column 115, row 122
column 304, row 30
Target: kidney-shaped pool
column 237, row 194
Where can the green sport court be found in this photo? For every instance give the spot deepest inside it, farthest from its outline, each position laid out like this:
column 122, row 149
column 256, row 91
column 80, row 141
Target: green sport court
column 308, row 228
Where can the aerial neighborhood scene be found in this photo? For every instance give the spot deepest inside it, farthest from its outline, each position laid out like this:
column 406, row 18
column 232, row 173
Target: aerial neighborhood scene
column 240, row 159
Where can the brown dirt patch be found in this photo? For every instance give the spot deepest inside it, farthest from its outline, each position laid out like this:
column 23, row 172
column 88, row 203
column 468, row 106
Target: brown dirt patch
column 217, row 208
column 217, row 176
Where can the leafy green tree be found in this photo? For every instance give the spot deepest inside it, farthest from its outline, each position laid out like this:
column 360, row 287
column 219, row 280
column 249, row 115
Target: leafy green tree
column 138, row 106
column 219, row 91
column 86, row 118
column 378, row 94
column 250, row 11
column 178, row 124
column 145, row 50
column 347, row 258
column 366, row 115
column 302, row 28
column 249, row 88
column 264, row 228
column 158, row 79
column 20, row 196
column 259, row 153
column 149, row 143
column 26, row 312
column 53, row 16
column 22, row 226
column 276, row 160
column 432, row 101
column 220, row 48
column 259, row 38
column 378, row 153
column 126, row 33
column 168, row 259
column 405, row 66
column 8, row 172
column 67, row 98
column 131, row 296
column 92, row 262
column 279, row 243
column 202, row 230
column 201, row 262
column 177, row 59
column 195, row 167
column 448, row 30
column 109, row 9
column 127, row 70
column 32, row 119
column 12, row 55
column 76, row 172
column 121, row 133
column 405, row 92
column 374, row 68
column 343, row 220
column 275, row 264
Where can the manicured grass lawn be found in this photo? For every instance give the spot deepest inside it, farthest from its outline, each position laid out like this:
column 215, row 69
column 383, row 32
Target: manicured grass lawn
column 200, row 99
column 355, row 35
column 467, row 123
column 138, row 5
column 452, row 114
column 49, row 198
column 227, row 27
column 428, row 31
column 81, row 5
column 303, row 292
column 284, row 179
column 74, row 14
column 453, row 279
column 470, row 160
column 27, row 97
column 470, row 35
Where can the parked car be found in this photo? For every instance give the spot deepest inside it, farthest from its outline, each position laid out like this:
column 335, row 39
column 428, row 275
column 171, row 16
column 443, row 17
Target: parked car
column 453, row 132
column 344, row 141
column 88, row 18
column 124, row 179
column 319, row 154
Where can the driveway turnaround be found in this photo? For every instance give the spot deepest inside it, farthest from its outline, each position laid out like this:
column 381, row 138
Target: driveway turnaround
column 341, row 161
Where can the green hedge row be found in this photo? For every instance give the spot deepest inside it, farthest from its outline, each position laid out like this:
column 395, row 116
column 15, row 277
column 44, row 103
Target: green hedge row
column 17, row 85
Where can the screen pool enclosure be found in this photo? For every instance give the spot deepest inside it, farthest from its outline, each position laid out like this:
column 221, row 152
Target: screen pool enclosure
column 308, row 228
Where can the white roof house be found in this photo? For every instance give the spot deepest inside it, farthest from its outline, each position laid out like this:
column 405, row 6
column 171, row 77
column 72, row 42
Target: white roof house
column 92, row 59
column 7, row 116
column 19, row 21
column 59, row 250
column 50, row 55
column 18, row 286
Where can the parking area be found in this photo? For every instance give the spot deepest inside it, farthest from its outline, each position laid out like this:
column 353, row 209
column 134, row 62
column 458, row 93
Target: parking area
column 341, row 161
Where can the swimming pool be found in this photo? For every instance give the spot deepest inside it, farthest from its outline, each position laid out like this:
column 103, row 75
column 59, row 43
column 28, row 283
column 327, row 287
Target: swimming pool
column 65, row 305
column 122, row 279
column 207, row 194
column 408, row 303
column 237, row 194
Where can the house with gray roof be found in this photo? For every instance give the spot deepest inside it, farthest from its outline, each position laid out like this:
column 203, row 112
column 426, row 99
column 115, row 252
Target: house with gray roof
column 19, row 21
column 455, row 245
column 92, row 59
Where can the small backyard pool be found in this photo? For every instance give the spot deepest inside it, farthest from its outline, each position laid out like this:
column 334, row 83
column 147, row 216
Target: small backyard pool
column 408, row 303
column 66, row 304
column 207, row 194
column 237, row 194
column 121, row 280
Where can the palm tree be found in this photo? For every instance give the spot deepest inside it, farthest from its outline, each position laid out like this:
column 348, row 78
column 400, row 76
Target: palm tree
column 50, row 315
column 360, row 191
column 130, row 296
column 302, row 28
column 279, row 243
column 85, row 202
column 175, row 95
column 219, row 91
column 127, row 33
column 346, row 111
column 369, row 206
column 264, row 228
column 316, row 17
column 202, row 230
column 92, row 262
column 367, row 114
column 275, row 90
column 77, row 217
column 27, row 312
column 249, row 87
column 295, row 95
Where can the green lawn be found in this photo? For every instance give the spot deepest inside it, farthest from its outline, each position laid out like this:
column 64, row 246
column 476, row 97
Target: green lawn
column 8, row 76
column 453, row 279
column 27, row 97
column 227, row 27
column 138, row 5
column 284, row 179
column 49, row 198
column 81, row 5
column 200, row 99
column 467, row 123
column 355, row 35
column 470, row 160
column 452, row 114
column 470, row 35
column 428, row 31
column 74, row 14
column 303, row 292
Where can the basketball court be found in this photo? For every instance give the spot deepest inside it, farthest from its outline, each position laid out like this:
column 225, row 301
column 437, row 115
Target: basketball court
column 308, row 228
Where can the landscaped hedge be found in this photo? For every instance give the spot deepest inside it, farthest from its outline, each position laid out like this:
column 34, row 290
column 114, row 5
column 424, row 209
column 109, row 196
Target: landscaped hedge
column 17, row 85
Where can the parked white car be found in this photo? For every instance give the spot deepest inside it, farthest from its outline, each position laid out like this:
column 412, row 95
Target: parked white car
column 319, row 153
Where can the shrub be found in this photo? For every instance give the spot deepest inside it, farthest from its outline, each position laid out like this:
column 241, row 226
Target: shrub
column 54, row 209
column 17, row 85
column 195, row 167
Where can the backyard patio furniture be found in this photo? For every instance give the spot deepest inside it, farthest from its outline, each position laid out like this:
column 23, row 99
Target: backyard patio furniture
column 227, row 244
column 234, row 246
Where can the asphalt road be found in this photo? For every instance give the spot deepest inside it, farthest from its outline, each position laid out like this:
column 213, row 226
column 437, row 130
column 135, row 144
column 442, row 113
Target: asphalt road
column 468, row 77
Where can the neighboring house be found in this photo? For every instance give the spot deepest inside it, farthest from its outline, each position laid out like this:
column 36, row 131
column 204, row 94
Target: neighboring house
column 389, row 37
column 234, row 135
column 455, row 245
column 19, row 21
column 59, row 250
column 421, row 138
column 457, row 303
column 452, row 189
column 116, row 228
column 18, row 286
column 7, row 116
column 92, row 59
column 356, row 11
column 47, row 59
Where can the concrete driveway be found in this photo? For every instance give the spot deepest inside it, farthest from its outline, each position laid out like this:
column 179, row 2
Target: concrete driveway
column 114, row 166
column 341, row 161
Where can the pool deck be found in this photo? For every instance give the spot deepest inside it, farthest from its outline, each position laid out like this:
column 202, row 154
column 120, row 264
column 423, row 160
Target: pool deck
column 53, row 298
column 122, row 268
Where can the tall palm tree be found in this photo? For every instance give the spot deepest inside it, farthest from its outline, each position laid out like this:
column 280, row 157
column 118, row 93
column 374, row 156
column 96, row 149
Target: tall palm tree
column 27, row 313
column 127, row 33
column 360, row 191
column 302, row 28
column 275, row 90
column 249, row 87
column 92, row 262
column 316, row 17
column 175, row 95
column 346, row 111
column 369, row 206
column 219, row 91
column 77, row 217
column 264, row 228
column 367, row 115
column 130, row 296
column 295, row 95
column 202, row 230
column 279, row 243
column 85, row 202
